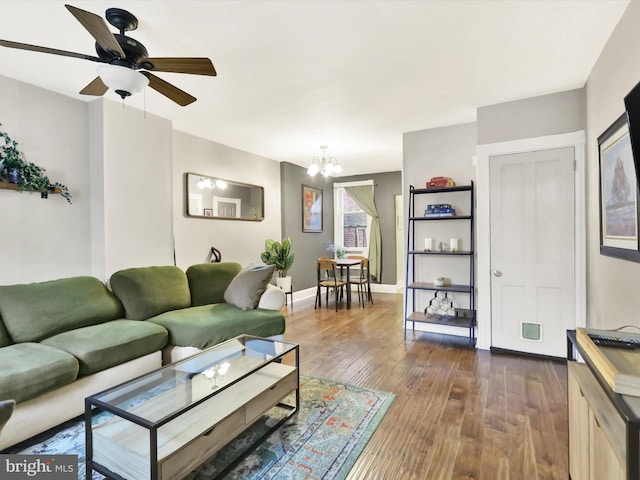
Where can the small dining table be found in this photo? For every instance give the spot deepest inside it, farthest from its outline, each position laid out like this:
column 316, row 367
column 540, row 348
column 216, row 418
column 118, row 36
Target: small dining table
column 347, row 263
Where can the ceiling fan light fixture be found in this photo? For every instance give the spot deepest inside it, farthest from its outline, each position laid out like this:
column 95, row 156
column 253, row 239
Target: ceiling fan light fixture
column 122, row 80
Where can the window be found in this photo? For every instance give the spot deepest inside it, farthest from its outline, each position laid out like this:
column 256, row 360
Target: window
column 352, row 225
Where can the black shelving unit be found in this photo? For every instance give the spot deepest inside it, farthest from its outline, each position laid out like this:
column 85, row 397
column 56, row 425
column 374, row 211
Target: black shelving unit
column 416, row 311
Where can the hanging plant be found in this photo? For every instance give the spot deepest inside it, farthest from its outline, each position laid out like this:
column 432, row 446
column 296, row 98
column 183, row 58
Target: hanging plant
column 31, row 177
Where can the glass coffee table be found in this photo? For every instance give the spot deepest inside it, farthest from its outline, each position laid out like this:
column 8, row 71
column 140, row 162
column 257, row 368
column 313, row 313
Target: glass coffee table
column 164, row 424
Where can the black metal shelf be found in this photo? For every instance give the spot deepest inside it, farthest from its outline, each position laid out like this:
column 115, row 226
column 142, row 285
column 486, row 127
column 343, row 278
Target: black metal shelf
column 457, row 188
column 450, row 321
column 450, row 217
column 446, row 288
column 460, row 253
column 438, row 314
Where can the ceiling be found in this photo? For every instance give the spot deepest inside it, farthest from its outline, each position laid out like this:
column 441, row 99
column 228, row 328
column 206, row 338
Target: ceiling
column 354, row 75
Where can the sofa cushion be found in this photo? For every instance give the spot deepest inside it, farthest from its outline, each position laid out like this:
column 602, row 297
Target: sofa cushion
column 4, row 335
column 6, row 409
column 247, row 287
column 208, row 325
column 208, row 281
column 31, row 369
column 35, row 311
column 103, row 346
column 149, row 291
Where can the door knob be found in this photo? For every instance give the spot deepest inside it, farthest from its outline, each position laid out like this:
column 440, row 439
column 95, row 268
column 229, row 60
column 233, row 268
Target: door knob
column 497, row 273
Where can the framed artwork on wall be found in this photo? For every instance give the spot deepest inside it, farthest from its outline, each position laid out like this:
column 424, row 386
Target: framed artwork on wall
column 311, row 209
column 208, row 212
column 618, row 193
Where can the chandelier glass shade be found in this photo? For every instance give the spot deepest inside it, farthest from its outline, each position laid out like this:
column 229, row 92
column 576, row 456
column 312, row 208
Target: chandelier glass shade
column 208, row 183
column 324, row 165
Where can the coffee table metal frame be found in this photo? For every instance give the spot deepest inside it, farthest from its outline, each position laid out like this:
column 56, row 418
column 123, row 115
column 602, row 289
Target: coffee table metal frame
column 96, row 403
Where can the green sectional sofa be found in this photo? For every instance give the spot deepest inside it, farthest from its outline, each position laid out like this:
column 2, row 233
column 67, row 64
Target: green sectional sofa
column 65, row 339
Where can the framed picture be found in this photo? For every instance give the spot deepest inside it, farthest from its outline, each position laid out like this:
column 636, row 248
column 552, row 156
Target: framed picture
column 208, row 212
column 618, row 193
column 311, row 209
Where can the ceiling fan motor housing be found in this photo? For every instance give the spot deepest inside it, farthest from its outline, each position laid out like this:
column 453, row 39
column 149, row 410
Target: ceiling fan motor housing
column 121, row 19
column 132, row 49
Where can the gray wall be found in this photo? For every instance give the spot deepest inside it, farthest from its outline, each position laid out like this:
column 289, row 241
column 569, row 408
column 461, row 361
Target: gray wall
column 309, row 246
column 306, row 246
column 532, row 117
column 612, row 284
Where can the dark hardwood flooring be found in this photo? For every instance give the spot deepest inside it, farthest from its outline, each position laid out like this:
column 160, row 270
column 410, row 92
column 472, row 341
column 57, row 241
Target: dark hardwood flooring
column 458, row 413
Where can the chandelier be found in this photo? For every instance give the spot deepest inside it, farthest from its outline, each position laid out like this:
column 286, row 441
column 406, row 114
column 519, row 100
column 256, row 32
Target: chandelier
column 326, row 166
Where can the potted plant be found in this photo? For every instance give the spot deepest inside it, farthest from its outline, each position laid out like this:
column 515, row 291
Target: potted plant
column 29, row 176
column 279, row 255
column 339, row 252
column 33, row 179
column 11, row 158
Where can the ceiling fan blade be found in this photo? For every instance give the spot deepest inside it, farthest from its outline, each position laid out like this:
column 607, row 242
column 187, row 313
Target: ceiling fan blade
column 196, row 66
column 54, row 51
column 172, row 92
column 98, row 29
column 96, row 88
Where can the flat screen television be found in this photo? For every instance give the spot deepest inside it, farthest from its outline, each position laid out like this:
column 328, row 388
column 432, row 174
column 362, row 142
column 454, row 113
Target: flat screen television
column 632, row 105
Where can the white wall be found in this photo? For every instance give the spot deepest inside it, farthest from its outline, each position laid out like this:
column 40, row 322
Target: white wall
column 612, row 284
column 125, row 171
column 137, row 196
column 45, row 239
column 239, row 241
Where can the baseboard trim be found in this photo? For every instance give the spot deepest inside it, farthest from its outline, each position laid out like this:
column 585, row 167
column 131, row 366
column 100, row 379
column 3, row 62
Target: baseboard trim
column 505, row 351
column 375, row 288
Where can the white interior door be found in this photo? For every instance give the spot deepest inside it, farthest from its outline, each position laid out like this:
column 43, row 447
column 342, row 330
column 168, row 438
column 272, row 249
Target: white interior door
column 532, row 250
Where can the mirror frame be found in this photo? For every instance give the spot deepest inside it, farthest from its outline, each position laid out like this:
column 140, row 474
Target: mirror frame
column 213, row 217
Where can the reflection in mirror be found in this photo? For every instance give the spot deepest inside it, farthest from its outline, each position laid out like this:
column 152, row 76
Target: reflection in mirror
column 218, row 198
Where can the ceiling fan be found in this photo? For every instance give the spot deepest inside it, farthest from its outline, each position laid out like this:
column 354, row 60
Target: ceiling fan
column 126, row 65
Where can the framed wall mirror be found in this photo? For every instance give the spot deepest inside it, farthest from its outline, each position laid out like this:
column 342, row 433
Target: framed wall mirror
column 214, row 197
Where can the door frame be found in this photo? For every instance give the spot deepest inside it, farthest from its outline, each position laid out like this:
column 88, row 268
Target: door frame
column 483, row 224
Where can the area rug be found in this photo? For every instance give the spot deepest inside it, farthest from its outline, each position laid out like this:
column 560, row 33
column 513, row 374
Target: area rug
column 322, row 441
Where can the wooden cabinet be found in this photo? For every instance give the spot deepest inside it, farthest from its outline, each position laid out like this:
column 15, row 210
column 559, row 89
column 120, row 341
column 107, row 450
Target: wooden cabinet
column 603, row 426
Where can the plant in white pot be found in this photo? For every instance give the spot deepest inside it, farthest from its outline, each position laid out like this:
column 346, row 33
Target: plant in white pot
column 279, row 255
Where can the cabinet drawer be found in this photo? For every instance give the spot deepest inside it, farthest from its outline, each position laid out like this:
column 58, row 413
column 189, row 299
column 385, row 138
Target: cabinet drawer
column 183, row 461
column 271, row 396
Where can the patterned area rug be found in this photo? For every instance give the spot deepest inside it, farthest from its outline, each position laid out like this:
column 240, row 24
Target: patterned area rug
column 322, row 441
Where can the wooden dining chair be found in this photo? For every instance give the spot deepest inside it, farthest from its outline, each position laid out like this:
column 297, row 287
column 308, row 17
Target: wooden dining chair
column 327, row 278
column 363, row 282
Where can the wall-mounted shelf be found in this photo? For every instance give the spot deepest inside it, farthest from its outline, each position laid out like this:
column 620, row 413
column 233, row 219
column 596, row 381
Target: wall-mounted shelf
column 15, row 186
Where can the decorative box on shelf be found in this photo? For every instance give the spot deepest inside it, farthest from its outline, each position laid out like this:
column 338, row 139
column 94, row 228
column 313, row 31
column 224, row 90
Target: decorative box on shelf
column 441, row 182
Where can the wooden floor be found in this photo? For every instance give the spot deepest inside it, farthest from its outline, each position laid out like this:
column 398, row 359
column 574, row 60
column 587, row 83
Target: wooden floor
column 458, row 413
